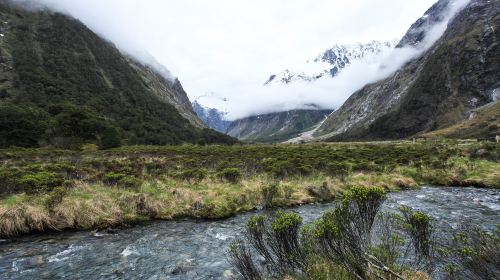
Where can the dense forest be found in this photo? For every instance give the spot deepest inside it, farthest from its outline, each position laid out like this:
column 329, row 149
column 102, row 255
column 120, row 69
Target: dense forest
column 62, row 85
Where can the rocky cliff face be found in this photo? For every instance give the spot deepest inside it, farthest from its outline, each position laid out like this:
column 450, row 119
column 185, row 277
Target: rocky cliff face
column 441, row 87
column 276, row 127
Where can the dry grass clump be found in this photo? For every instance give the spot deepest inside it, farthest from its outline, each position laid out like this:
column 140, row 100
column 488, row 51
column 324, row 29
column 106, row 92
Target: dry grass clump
column 24, row 218
column 88, row 214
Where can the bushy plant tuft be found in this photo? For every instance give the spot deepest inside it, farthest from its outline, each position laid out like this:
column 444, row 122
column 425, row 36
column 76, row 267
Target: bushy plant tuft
column 40, row 182
column 231, row 174
column 130, row 182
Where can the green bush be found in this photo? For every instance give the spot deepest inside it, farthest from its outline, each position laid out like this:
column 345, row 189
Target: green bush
column 113, row 177
column 287, row 191
column 269, row 192
column 40, row 182
column 285, row 221
column 110, row 138
column 130, row 182
column 322, row 193
column 231, row 174
column 304, row 169
column 21, row 126
column 9, row 180
column 197, row 175
column 339, row 169
column 56, row 197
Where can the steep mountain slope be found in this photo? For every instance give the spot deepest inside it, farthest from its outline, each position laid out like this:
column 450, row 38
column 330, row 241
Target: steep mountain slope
column 438, row 89
column 61, row 84
column 483, row 122
column 331, row 62
column 212, row 117
column 276, row 127
column 168, row 89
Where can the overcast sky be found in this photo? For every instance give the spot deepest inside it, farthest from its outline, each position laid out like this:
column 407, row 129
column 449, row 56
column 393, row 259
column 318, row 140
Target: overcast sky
column 230, row 46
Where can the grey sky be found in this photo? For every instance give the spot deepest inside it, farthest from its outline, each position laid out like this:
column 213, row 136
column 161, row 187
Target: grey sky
column 230, row 46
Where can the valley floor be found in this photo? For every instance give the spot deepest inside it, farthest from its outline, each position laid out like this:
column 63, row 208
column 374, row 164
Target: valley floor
column 49, row 189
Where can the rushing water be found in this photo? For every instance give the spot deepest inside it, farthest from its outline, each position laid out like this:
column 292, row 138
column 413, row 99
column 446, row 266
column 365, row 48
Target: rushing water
column 196, row 249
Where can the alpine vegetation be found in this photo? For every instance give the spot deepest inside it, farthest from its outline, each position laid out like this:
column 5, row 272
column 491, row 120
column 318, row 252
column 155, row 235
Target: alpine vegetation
column 356, row 240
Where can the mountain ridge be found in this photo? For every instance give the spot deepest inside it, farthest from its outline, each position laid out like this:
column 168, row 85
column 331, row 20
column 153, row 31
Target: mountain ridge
column 330, row 62
column 276, row 127
column 435, row 90
column 63, row 85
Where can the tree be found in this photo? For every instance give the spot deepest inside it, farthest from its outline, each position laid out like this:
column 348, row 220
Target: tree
column 21, row 126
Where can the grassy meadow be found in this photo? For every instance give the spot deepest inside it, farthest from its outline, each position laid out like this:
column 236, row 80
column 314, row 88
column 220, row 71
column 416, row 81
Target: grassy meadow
column 51, row 189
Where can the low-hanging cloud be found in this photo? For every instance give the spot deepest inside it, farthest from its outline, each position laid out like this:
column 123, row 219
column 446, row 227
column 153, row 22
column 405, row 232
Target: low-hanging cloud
column 331, row 93
column 127, row 44
column 228, row 48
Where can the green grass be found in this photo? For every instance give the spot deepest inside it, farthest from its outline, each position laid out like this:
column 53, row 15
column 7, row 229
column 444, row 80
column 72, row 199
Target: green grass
column 220, row 181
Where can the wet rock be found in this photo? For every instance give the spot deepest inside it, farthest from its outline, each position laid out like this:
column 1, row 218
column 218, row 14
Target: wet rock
column 35, row 261
column 183, row 267
column 322, row 192
column 480, row 152
column 228, row 274
column 111, row 230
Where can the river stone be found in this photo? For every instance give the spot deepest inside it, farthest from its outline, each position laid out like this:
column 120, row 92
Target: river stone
column 183, row 267
column 36, row 261
column 228, row 274
column 321, row 192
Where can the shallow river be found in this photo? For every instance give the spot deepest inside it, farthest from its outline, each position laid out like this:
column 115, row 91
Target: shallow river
column 196, row 249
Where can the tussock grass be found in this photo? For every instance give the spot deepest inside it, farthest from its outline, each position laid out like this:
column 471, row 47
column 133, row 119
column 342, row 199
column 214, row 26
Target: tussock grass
column 132, row 184
column 22, row 219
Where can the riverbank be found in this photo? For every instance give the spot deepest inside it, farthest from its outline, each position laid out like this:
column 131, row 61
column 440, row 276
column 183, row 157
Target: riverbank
column 188, row 249
column 46, row 189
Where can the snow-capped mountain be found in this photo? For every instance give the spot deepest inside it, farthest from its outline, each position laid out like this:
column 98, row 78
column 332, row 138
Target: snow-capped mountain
column 212, row 117
column 330, row 62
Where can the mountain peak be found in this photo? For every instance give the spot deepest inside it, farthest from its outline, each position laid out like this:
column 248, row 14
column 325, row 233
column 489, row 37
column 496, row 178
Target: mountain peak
column 330, row 62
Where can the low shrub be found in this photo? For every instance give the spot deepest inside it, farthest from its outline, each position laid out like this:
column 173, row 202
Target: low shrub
column 231, row 174
column 197, row 175
column 112, row 178
column 339, row 169
column 322, row 193
column 287, row 191
column 304, row 169
column 130, row 182
column 419, row 226
column 55, row 197
column 475, row 254
column 40, row 182
column 86, row 148
column 269, row 192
